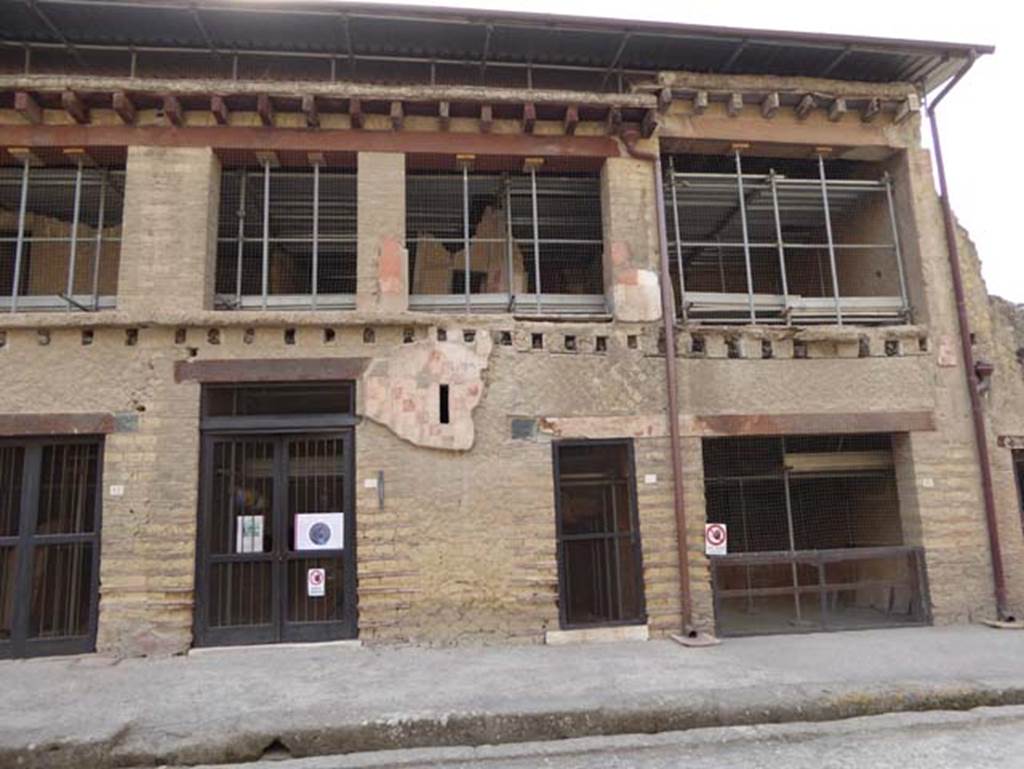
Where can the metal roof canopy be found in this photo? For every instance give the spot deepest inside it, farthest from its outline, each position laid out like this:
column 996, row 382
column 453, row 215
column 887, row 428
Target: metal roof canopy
column 344, row 31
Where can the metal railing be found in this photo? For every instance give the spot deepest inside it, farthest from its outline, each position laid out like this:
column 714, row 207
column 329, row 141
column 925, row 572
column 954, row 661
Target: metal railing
column 767, row 248
column 505, row 242
column 60, row 237
column 815, row 590
column 287, row 239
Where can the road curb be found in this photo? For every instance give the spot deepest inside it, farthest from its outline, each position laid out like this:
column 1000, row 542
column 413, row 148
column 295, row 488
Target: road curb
column 124, row 746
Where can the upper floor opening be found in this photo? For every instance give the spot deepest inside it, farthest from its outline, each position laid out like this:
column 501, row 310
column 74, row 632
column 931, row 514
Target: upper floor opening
column 780, row 240
column 60, row 231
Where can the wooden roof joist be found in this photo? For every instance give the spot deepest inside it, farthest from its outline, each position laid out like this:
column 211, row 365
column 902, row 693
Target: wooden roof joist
column 802, row 103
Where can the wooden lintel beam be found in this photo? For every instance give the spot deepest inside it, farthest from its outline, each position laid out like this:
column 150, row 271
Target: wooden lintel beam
column 444, row 114
column 312, row 113
column 220, row 110
column 572, row 119
column 265, row 109
column 486, row 118
column 649, row 124
column 664, row 99
column 700, row 102
column 355, row 113
column 124, row 107
column 26, row 105
column 909, row 106
column 770, row 105
column 75, row 106
column 173, row 111
column 871, row 110
column 804, row 106
column 613, row 123
column 529, row 117
column 397, row 115
column 735, row 104
column 254, row 138
column 837, row 109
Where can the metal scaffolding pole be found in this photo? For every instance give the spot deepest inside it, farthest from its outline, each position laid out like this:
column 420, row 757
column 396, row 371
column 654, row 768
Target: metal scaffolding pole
column 73, row 252
column 896, row 244
column 19, row 246
column 100, row 214
column 772, row 180
column 265, row 266
column 509, row 243
column 241, row 239
column 746, row 236
column 536, row 236
column 465, row 235
column 679, row 237
column 831, row 243
column 316, row 229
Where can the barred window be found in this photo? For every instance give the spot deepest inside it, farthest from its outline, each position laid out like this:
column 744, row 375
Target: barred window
column 60, row 236
column 287, row 238
column 770, row 240
column 523, row 240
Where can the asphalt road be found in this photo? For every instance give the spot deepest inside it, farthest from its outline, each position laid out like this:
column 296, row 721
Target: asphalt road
column 977, row 739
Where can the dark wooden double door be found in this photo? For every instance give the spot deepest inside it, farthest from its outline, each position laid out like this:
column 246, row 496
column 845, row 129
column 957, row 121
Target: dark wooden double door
column 255, row 584
column 49, row 545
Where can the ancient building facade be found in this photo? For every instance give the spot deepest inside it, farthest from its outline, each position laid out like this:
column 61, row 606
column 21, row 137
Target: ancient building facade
column 360, row 345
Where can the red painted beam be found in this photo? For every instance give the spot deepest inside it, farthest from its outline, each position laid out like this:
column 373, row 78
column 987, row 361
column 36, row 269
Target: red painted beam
column 299, row 140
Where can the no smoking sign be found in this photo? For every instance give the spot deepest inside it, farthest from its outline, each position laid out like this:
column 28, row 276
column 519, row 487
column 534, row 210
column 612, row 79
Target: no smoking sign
column 315, row 579
column 716, row 539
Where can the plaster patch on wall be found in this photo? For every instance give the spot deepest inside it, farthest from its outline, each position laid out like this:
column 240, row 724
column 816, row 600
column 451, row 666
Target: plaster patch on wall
column 636, row 295
column 402, row 392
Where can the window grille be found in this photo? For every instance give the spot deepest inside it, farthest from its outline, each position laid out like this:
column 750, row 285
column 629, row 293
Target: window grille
column 764, row 240
column 512, row 241
column 286, row 238
column 1018, row 467
column 60, row 236
column 814, row 535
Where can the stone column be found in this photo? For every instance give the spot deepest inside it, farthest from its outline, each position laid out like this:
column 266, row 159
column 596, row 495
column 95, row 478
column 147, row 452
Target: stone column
column 630, row 239
column 382, row 273
column 169, row 242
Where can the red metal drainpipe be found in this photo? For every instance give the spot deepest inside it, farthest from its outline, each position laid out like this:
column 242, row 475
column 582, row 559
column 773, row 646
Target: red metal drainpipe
column 977, row 412
column 668, row 315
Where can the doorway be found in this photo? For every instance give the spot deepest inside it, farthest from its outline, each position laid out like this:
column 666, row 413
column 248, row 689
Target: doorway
column 277, row 527
column 50, row 498
column 600, row 570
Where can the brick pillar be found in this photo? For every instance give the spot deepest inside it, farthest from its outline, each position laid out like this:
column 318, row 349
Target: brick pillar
column 630, row 239
column 169, row 246
column 382, row 274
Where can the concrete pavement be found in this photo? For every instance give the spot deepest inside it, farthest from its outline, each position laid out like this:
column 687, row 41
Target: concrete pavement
column 231, row 705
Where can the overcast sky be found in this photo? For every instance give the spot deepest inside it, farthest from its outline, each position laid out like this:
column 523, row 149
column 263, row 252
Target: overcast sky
column 981, row 120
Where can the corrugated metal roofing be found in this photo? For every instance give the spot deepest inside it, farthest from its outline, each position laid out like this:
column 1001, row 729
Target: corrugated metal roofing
column 322, row 27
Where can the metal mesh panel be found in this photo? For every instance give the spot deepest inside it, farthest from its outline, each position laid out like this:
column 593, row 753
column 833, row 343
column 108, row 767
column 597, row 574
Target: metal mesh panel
column 815, row 538
column 499, row 239
column 773, row 246
column 286, row 238
column 60, row 237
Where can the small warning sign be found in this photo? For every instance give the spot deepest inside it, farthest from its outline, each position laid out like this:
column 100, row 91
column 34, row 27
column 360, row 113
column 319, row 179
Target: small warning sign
column 716, row 539
column 315, row 579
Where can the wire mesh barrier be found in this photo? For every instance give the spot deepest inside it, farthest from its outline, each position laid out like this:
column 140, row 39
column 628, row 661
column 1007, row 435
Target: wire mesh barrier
column 60, row 236
column 789, row 246
column 287, row 238
column 814, row 535
column 505, row 242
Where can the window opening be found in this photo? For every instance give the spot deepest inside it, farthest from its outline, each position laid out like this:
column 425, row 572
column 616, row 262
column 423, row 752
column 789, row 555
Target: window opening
column 60, row 236
column 287, row 238
column 769, row 240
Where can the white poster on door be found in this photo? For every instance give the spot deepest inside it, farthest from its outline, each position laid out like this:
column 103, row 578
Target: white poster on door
column 319, row 531
column 249, row 534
